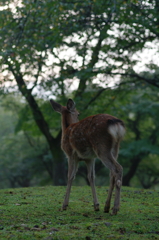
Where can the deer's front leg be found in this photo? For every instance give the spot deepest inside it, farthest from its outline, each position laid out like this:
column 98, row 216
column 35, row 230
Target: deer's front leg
column 72, row 169
column 91, row 177
column 111, row 187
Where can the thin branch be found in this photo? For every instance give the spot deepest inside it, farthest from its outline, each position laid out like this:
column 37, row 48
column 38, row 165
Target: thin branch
column 29, row 139
column 154, row 82
column 135, row 75
column 95, row 97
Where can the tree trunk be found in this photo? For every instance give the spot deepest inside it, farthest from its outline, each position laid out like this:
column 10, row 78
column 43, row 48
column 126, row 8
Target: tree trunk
column 59, row 165
column 59, row 175
column 94, row 59
column 132, row 171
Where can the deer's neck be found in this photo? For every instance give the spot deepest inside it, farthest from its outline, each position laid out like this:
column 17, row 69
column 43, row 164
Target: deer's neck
column 65, row 124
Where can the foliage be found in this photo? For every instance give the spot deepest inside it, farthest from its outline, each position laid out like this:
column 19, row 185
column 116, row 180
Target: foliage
column 28, row 213
column 24, row 155
column 53, row 43
column 142, row 135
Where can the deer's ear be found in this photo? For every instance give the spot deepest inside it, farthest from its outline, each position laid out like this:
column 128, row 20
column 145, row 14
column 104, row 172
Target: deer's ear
column 56, row 106
column 70, row 105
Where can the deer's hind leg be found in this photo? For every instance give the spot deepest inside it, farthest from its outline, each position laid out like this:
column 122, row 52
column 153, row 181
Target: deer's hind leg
column 108, row 159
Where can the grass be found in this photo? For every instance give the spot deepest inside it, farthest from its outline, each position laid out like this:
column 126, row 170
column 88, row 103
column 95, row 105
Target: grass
column 35, row 213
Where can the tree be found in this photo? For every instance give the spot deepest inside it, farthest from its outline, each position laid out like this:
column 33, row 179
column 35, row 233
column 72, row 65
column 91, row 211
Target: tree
column 101, row 39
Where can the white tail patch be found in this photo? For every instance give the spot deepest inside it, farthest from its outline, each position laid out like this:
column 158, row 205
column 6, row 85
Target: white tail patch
column 117, row 131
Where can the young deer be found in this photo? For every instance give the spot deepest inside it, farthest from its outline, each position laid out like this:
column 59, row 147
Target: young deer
column 95, row 136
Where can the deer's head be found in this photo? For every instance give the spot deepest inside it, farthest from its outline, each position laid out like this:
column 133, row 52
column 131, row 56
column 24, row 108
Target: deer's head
column 69, row 113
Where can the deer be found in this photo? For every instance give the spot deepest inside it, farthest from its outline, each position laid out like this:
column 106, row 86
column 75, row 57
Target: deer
column 96, row 136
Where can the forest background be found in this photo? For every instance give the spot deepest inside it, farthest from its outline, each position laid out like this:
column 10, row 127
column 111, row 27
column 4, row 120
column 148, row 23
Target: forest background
column 104, row 55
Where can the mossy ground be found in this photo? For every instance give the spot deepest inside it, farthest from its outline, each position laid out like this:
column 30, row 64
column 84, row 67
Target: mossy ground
column 35, row 213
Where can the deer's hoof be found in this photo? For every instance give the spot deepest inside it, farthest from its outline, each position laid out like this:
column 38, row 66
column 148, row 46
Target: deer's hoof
column 114, row 211
column 96, row 207
column 106, row 209
column 64, row 207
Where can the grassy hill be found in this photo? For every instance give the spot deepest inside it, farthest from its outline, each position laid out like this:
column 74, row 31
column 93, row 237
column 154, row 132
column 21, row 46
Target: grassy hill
column 35, row 213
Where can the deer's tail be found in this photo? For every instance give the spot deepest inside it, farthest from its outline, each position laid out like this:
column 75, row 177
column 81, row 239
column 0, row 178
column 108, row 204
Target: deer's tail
column 116, row 129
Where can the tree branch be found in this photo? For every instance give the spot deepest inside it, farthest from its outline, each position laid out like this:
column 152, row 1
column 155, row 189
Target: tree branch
column 37, row 114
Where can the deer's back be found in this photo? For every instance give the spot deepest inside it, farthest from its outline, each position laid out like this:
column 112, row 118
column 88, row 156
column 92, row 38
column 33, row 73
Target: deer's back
column 84, row 137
